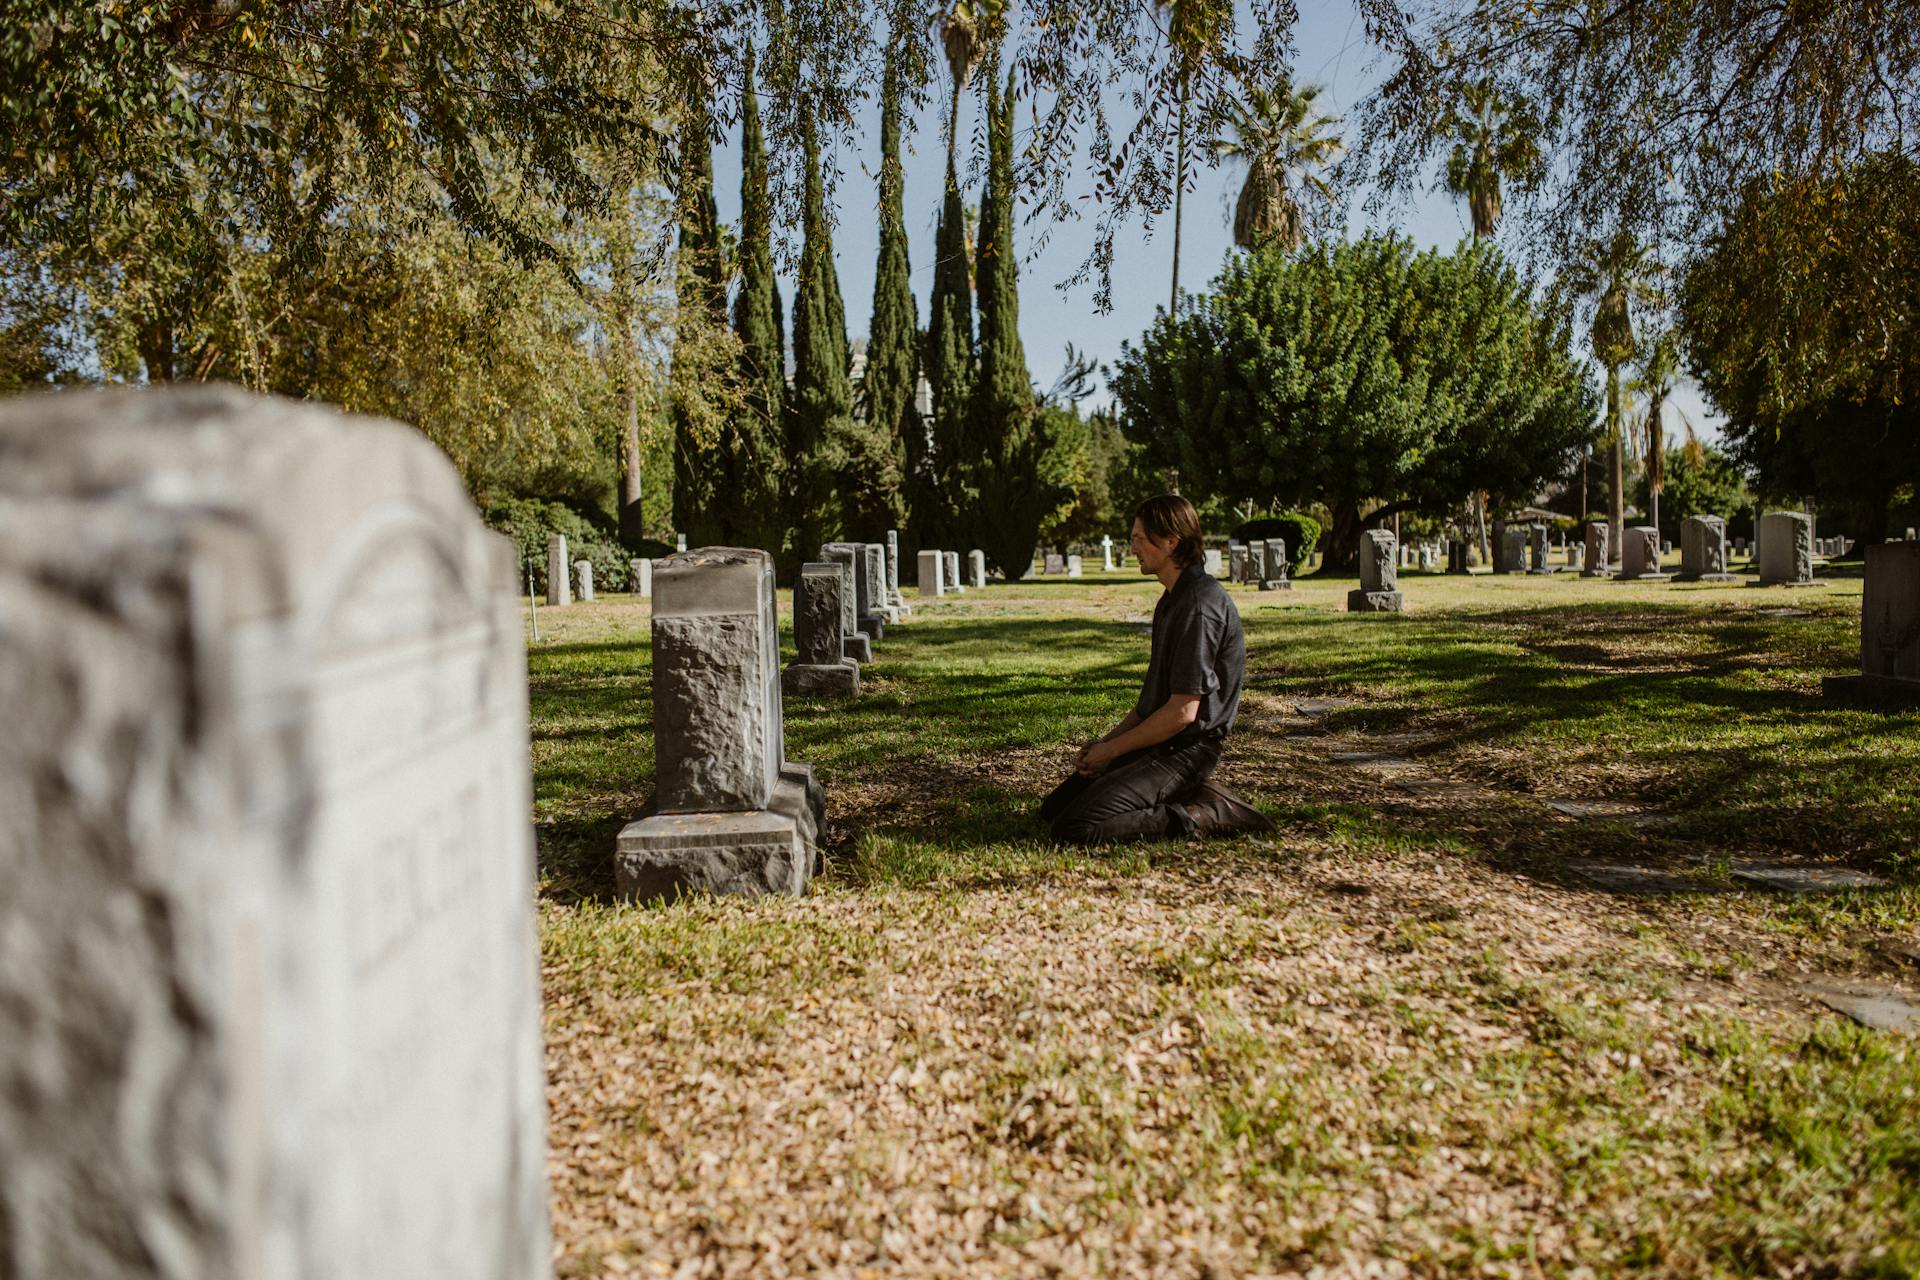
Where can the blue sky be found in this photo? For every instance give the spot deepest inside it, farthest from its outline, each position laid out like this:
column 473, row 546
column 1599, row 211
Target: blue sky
column 1332, row 51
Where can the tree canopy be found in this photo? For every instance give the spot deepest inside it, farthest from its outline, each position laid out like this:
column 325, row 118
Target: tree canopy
column 1364, row 375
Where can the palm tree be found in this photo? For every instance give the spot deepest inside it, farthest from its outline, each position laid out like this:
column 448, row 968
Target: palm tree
column 965, row 32
column 1195, row 29
column 1284, row 142
column 1659, row 375
column 1618, row 273
column 1492, row 144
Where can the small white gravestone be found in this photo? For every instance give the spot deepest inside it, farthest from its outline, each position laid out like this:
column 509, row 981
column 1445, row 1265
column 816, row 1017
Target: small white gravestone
column 583, row 579
column 1073, row 566
column 640, row 573
column 680, row 542
column 269, row 1003
column 932, row 579
column 977, row 569
column 559, row 578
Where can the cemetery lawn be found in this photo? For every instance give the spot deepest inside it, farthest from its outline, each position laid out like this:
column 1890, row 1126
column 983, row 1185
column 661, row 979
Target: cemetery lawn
column 1427, row 1028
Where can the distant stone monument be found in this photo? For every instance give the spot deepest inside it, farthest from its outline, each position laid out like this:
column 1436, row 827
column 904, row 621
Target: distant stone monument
column 950, row 570
column 977, row 568
column 1457, row 555
column 730, row 814
column 1512, row 548
column 1274, row 565
column 1106, row 552
column 1786, row 549
column 1597, row 565
column 1054, row 565
column 559, row 573
column 1212, row 561
column 1640, row 555
column 1073, row 566
column 874, row 566
column 1537, row 549
column 1889, row 631
column 1379, row 576
column 932, row 575
column 1703, row 550
column 270, row 1001
column 583, row 580
column 894, row 596
column 821, row 668
column 1236, row 562
column 866, row 622
column 640, row 577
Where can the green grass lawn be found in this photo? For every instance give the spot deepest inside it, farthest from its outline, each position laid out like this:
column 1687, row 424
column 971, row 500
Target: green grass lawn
column 1406, row 1032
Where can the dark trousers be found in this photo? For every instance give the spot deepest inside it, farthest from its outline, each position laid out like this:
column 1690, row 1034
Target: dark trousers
column 1135, row 798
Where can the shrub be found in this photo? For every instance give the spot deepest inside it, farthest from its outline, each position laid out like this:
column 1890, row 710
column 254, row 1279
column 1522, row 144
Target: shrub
column 527, row 523
column 1301, row 531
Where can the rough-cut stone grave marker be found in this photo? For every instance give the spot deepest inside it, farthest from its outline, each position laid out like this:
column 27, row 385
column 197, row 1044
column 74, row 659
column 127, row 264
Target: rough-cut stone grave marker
column 977, row 569
column 874, row 566
column 1786, row 549
column 1274, row 565
column 821, row 667
column 640, row 577
column 866, row 622
column 583, row 580
column 932, row 578
column 1597, row 553
column 559, row 575
column 1889, row 630
column 950, row 570
column 1379, row 576
column 1640, row 555
column 269, row 1007
column 1703, row 550
column 730, row 814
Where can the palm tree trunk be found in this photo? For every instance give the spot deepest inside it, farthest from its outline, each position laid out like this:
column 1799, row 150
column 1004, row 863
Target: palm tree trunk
column 1617, row 499
column 1656, row 457
column 1179, row 192
column 632, row 521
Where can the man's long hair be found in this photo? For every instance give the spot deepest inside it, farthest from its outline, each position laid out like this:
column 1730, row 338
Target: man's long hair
column 1171, row 516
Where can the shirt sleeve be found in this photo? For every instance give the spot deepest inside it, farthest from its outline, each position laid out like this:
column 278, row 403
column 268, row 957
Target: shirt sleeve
column 1193, row 644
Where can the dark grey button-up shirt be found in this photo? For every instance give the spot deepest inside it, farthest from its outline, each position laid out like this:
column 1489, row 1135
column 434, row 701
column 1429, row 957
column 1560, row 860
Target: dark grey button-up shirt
column 1198, row 648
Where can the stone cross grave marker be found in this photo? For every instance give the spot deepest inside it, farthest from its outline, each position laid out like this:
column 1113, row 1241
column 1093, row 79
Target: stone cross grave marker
column 1106, row 552
column 821, row 667
column 270, row 1006
column 1379, row 576
column 730, row 814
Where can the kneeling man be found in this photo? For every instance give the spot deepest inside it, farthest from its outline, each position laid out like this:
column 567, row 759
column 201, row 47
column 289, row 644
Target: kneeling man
column 1148, row 776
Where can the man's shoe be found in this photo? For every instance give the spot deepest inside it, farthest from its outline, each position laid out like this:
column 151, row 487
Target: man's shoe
column 1216, row 811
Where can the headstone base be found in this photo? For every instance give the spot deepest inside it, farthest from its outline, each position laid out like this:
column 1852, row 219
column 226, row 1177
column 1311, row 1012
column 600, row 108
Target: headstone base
column 1872, row 691
column 1596, row 573
column 1545, row 571
column 858, row 648
column 873, row 626
column 1642, row 577
column 1706, row 577
column 750, row 854
column 1789, row 582
column 1375, row 602
column 1277, row 584
column 807, row 680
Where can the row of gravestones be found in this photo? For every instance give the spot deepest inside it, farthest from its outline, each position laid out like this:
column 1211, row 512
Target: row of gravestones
column 939, row 573
column 1262, row 563
column 842, row 605
column 1786, row 555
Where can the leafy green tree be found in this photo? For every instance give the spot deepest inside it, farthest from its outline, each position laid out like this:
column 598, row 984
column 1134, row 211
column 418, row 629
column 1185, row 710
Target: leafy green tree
column 756, row 471
column 1359, row 373
column 1800, row 325
column 698, row 448
column 888, row 386
column 1284, row 143
column 1016, row 490
column 820, row 404
column 1494, row 143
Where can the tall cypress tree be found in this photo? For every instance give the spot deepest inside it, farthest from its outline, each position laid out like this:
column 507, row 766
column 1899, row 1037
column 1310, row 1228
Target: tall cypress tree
column 702, row 290
column 938, row 494
column 894, row 436
column 820, row 404
column 1004, row 446
column 756, row 467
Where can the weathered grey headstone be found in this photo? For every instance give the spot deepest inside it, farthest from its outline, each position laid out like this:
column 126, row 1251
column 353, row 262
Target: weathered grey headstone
column 640, row 577
column 1513, row 549
column 1889, row 631
column 1236, row 562
column 1456, row 555
column 1640, row 555
column 269, row 1001
column 1871, row 1004
column 866, row 622
column 977, row 568
column 1740, row 546
column 1786, row 548
column 894, row 597
column 1537, row 549
column 821, row 667
column 1274, row 565
column 875, row 566
column 1597, row 552
column 583, row 580
column 1073, row 565
column 1054, row 565
column 1703, row 550
column 950, row 570
column 1379, row 576
column 729, row 813
column 559, row 574
column 933, row 574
